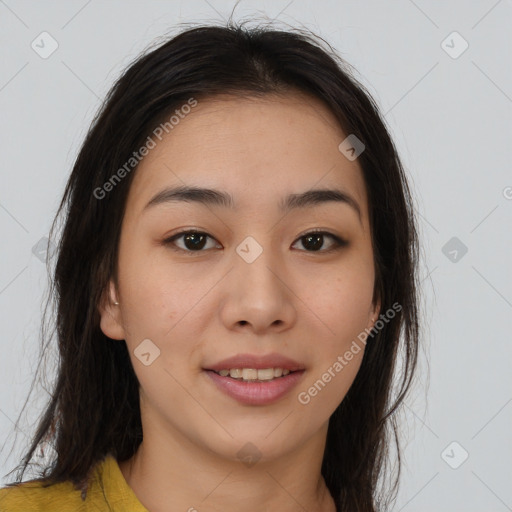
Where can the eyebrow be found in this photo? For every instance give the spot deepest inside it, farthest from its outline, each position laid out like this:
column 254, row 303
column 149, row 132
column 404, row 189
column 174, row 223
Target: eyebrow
column 212, row 197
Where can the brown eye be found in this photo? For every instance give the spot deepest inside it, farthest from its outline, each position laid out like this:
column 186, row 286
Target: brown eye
column 192, row 241
column 196, row 241
column 314, row 241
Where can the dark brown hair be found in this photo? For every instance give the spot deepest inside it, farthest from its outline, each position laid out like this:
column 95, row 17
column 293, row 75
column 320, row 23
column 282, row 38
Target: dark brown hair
column 94, row 404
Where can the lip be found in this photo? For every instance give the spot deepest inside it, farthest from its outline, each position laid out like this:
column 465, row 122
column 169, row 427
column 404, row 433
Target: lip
column 258, row 362
column 256, row 393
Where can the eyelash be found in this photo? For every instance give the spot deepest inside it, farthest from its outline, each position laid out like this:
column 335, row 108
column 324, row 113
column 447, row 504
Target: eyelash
column 339, row 243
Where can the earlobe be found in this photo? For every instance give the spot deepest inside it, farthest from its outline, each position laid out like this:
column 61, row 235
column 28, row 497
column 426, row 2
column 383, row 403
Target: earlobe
column 111, row 322
column 374, row 314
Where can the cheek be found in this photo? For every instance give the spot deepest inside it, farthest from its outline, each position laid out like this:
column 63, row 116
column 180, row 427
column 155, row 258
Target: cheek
column 350, row 306
column 341, row 307
column 155, row 293
column 341, row 300
column 165, row 303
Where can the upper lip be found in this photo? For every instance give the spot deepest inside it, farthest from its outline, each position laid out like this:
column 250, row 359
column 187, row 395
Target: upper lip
column 257, row 362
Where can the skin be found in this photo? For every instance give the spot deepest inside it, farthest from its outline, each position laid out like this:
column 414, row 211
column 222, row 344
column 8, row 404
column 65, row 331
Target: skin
column 201, row 307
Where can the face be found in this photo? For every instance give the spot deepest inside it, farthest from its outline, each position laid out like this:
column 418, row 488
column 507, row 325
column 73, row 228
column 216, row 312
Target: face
column 273, row 282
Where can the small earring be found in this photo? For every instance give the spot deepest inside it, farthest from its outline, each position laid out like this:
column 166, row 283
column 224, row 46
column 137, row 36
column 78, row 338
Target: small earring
column 116, row 303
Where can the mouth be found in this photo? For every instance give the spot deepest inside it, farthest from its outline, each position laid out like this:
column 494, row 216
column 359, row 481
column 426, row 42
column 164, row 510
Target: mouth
column 254, row 374
column 255, row 380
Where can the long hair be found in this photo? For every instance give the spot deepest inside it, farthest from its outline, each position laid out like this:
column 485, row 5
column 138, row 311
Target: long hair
column 94, row 408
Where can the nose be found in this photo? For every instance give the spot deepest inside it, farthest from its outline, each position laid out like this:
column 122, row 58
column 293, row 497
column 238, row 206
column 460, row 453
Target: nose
column 257, row 295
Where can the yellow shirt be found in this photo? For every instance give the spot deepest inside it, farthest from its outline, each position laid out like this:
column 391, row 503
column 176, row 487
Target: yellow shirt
column 108, row 491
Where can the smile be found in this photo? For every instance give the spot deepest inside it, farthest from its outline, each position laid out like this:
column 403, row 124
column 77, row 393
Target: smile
column 255, row 391
column 253, row 374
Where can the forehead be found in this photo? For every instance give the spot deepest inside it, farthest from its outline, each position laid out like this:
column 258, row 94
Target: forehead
column 257, row 149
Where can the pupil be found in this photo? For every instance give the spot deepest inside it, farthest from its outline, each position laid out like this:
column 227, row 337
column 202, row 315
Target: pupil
column 195, row 245
column 318, row 244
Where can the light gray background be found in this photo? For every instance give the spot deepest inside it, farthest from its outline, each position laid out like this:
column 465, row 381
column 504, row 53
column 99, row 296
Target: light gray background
column 451, row 120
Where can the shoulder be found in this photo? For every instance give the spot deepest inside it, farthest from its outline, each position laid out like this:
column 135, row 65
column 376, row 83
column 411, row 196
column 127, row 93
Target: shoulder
column 107, row 491
column 35, row 497
column 40, row 496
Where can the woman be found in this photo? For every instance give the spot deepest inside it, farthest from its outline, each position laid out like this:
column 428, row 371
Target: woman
column 236, row 287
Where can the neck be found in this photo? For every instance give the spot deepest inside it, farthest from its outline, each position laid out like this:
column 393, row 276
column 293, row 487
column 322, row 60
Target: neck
column 195, row 479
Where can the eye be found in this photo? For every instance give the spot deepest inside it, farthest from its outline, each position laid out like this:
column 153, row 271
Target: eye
column 314, row 240
column 195, row 241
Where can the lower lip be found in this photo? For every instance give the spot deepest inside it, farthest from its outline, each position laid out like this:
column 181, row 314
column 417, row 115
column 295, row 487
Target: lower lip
column 256, row 393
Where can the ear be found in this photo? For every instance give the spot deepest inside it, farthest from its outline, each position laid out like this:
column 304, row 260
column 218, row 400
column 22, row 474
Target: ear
column 111, row 322
column 373, row 314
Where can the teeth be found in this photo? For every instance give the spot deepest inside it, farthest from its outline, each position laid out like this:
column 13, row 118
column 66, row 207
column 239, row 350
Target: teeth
column 267, row 374
column 251, row 374
column 236, row 373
